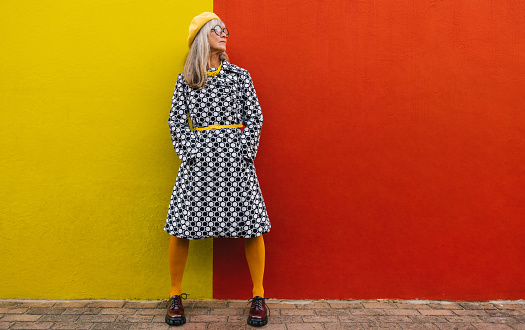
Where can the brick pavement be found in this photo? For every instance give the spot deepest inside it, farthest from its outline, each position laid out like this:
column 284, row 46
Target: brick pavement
column 284, row 314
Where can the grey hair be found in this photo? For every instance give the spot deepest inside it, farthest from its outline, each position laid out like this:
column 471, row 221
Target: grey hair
column 199, row 55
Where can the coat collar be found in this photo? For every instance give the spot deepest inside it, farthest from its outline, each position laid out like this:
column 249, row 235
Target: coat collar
column 227, row 66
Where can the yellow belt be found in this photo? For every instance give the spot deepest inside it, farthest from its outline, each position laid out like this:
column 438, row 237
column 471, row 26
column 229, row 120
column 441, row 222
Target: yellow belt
column 217, row 127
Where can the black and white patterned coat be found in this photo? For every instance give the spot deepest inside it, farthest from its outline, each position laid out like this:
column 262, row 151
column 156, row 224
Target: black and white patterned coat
column 217, row 193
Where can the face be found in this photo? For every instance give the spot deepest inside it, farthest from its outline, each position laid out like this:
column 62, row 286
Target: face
column 217, row 38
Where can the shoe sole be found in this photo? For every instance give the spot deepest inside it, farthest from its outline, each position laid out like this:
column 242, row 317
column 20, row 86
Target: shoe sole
column 177, row 321
column 258, row 323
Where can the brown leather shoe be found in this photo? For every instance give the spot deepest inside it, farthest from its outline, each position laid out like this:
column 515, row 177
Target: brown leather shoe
column 257, row 316
column 175, row 313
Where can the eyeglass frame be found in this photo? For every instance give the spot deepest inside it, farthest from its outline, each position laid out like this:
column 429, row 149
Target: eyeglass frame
column 225, row 30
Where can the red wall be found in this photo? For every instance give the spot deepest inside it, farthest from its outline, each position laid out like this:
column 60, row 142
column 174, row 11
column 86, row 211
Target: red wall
column 393, row 148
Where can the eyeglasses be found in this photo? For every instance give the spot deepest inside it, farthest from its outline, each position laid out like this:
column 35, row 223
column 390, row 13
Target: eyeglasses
column 219, row 30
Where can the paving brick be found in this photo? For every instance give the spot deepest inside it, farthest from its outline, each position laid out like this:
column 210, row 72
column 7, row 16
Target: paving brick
column 428, row 319
column 271, row 326
column 471, row 312
column 193, row 326
column 474, row 305
column 224, row 311
column 344, row 304
column 379, row 326
column 381, row 305
column 301, row 326
column 357, row 318
column 219, row 326
column 435, row 312
column 31, row 325
column 45, row 310
column 503, row 320
column 164, row 304
column 20, row 318
column 280, row 305
column 36, row 303
column 237, row 319
column 118, row 311
column 206, row 303
column 520, row 318
column 240, row 304
column 320, row 312
column 160, row 318
column 314, row 305
column 194, row 311
column 502, row 312
column 72, row 325
column 154, row 311
column 455, row 326
column 97, row 318
column 492, row 326
column 287, row 312
column 412, row 306
column 510, row 306
column 366, row 311
column 207, row 318
column 142, row 304
column 341, row 326
column 5, row 325
column 13, row 310
column 444, row 305
column 394, row 311
column 113, row 326
column 417, row 326
column 135, row 318
column 59, row 318
column 107, row 303
column 285, row 319
column 72, row 303
column 320, row 319
column 8, row 303
column 158, row 326
column 392, row 319
column 463, row 319
column 82, row 310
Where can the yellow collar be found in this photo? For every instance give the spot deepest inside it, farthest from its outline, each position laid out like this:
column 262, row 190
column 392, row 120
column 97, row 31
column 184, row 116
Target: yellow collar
column 214, row 73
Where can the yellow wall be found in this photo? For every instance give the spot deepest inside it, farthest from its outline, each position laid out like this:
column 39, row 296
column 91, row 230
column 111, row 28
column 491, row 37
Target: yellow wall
column 87, row 164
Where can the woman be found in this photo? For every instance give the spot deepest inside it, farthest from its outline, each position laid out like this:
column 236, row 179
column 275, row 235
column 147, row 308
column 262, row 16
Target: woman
column 216, row 193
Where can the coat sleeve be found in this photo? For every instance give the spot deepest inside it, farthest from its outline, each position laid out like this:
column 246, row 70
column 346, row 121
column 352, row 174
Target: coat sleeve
column 183, row 138
column 253, row 118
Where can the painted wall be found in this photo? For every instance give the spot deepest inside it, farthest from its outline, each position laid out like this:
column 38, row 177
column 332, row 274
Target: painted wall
column 87, row 164
column 392, row 155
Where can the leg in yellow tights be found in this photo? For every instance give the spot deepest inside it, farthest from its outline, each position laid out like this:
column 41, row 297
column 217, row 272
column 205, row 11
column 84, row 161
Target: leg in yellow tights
column 178, row 254
column 255, row 253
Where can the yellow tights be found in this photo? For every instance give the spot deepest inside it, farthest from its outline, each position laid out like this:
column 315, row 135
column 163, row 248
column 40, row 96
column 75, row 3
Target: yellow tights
column 255, row 254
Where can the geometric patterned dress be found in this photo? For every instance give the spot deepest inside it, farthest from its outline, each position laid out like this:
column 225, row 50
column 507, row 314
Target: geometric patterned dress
column 217, row 193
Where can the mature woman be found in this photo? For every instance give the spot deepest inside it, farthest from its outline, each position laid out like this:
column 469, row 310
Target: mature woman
column 216, row 193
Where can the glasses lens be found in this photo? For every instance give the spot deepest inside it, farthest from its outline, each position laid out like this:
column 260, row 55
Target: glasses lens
column 218, row 31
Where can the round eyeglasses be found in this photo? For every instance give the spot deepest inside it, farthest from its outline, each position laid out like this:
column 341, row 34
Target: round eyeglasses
column 219, row 30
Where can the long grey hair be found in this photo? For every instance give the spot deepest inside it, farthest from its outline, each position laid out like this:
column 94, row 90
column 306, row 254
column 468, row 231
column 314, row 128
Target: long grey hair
column 199, row 56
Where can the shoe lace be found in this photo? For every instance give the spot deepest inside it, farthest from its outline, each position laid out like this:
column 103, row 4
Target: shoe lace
column 258, row 303
column 176, row 300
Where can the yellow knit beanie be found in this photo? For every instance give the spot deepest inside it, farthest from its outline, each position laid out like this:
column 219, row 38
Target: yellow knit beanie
column 197, row 23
